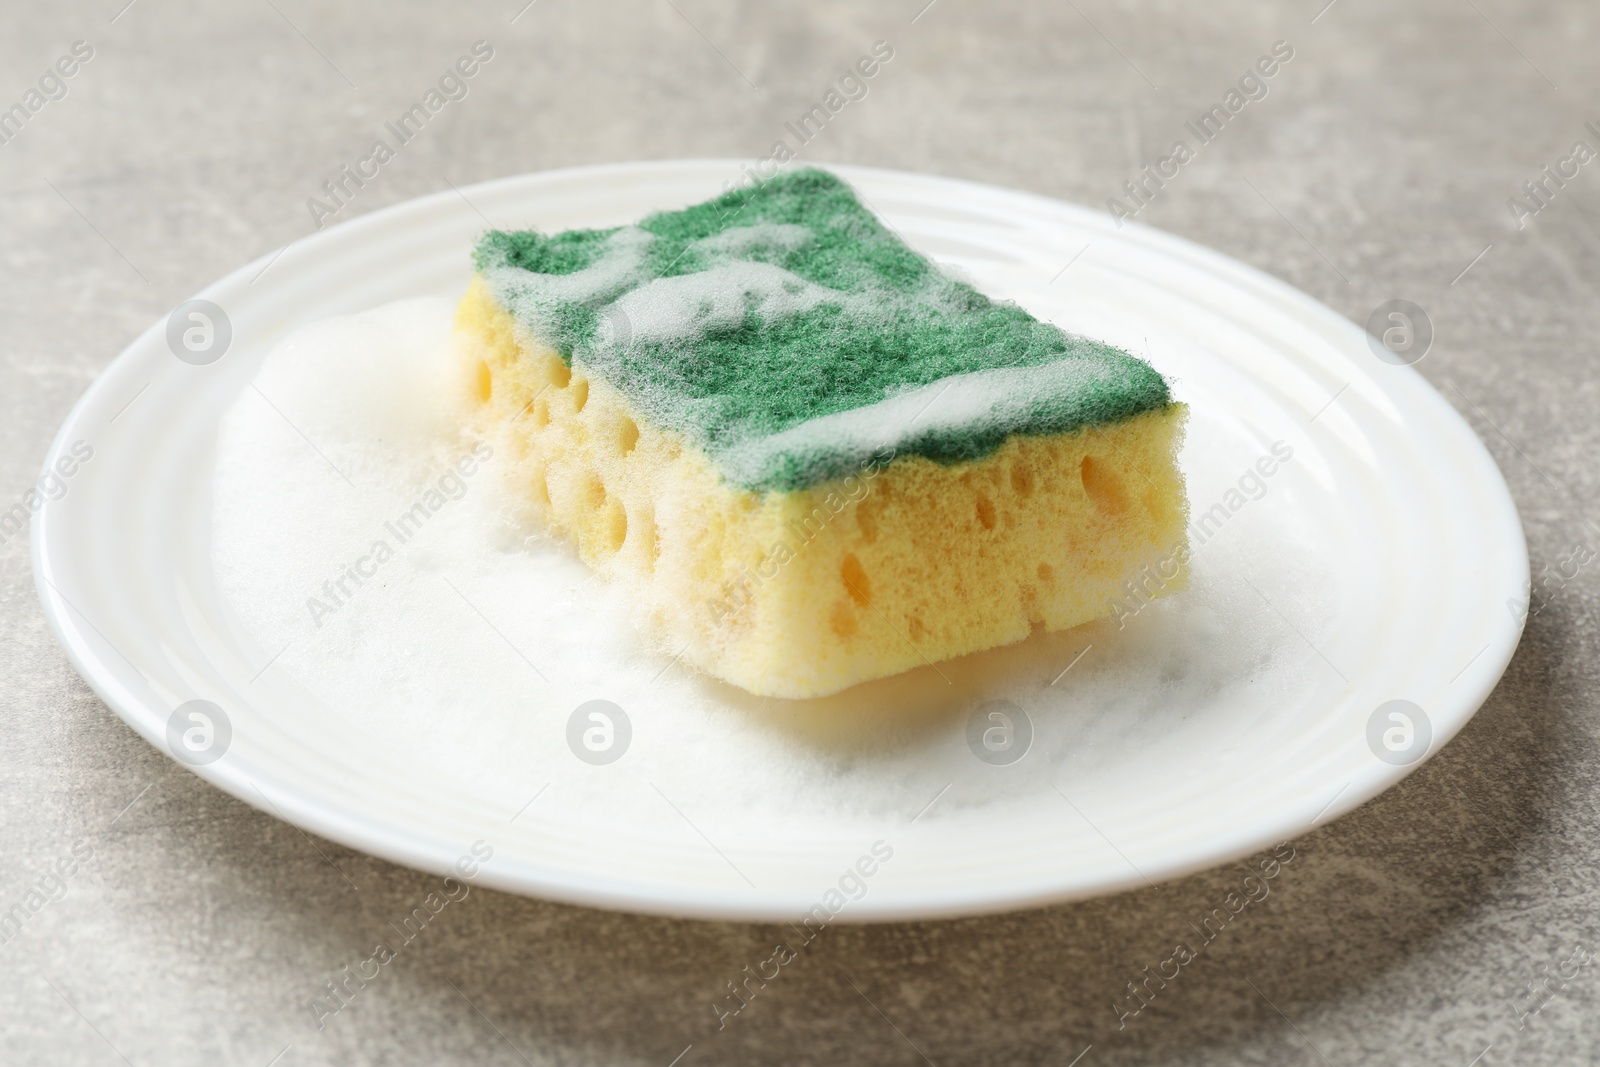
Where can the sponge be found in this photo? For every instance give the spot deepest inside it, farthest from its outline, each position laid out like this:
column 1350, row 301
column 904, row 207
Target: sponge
column 813, row 457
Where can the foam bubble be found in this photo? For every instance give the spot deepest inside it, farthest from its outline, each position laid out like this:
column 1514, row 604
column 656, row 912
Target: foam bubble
column 1004, row 397
column 687, row 307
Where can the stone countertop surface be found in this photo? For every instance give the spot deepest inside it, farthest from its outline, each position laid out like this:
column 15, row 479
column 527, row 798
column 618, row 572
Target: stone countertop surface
column 1381, row 163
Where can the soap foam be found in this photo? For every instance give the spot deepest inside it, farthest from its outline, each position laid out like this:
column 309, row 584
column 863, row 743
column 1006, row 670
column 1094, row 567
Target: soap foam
column 466, row 652
column 1005, row 396
column 685, row 308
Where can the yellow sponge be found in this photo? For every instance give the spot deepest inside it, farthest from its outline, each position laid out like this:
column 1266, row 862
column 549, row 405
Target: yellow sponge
column 898, row 561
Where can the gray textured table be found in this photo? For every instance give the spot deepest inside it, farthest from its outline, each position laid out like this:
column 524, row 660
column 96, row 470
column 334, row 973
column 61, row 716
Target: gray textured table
column 1379, row 163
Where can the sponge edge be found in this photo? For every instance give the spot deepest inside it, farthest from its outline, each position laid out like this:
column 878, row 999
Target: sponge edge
column 802, row 593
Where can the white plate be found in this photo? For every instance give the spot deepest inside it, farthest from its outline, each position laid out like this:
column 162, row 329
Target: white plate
column 1377, row 566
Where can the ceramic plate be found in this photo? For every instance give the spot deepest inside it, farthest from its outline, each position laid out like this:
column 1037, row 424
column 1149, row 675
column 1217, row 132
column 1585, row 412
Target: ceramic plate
column 1357, row 552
